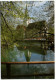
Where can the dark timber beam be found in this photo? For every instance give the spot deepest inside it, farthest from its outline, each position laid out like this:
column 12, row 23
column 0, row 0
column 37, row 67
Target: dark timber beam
column 39, row 62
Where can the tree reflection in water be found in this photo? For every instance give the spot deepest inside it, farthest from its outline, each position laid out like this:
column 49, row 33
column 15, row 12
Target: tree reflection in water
column 28, row 53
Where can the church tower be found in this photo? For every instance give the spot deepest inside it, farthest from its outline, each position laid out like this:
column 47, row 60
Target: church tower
column 26, row 17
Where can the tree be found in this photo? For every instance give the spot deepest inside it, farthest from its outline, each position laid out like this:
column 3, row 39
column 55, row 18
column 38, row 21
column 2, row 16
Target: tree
column 20, row 30
column 50, row 13
column 8, row 13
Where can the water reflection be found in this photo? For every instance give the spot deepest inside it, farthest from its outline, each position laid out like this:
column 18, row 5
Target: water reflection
column 27, row 53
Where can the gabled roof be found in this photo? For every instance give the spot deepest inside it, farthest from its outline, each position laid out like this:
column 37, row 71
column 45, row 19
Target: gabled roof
column 36, row 25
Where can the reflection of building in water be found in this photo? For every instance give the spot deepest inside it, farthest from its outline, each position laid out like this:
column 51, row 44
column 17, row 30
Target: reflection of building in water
column 27, row 55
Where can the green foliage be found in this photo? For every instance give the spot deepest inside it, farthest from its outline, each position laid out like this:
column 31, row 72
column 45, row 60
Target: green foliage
column 51, row 30
column 13, row 13
column 6, row 34
column 20, row 30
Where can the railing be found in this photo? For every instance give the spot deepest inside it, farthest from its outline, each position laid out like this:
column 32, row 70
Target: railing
column 8, row 67
column 40, row 62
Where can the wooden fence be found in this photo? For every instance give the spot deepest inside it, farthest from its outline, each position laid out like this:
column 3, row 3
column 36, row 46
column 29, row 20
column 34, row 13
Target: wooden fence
column 8, row 68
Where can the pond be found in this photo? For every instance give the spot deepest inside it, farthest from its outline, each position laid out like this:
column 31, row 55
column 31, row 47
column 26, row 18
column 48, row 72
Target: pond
column 28, row 52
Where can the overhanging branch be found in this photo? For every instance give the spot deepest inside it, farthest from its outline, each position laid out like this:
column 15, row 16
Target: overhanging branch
column 6, row 23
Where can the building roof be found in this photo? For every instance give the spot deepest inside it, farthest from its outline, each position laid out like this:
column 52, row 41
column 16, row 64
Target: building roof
column 36, row 25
